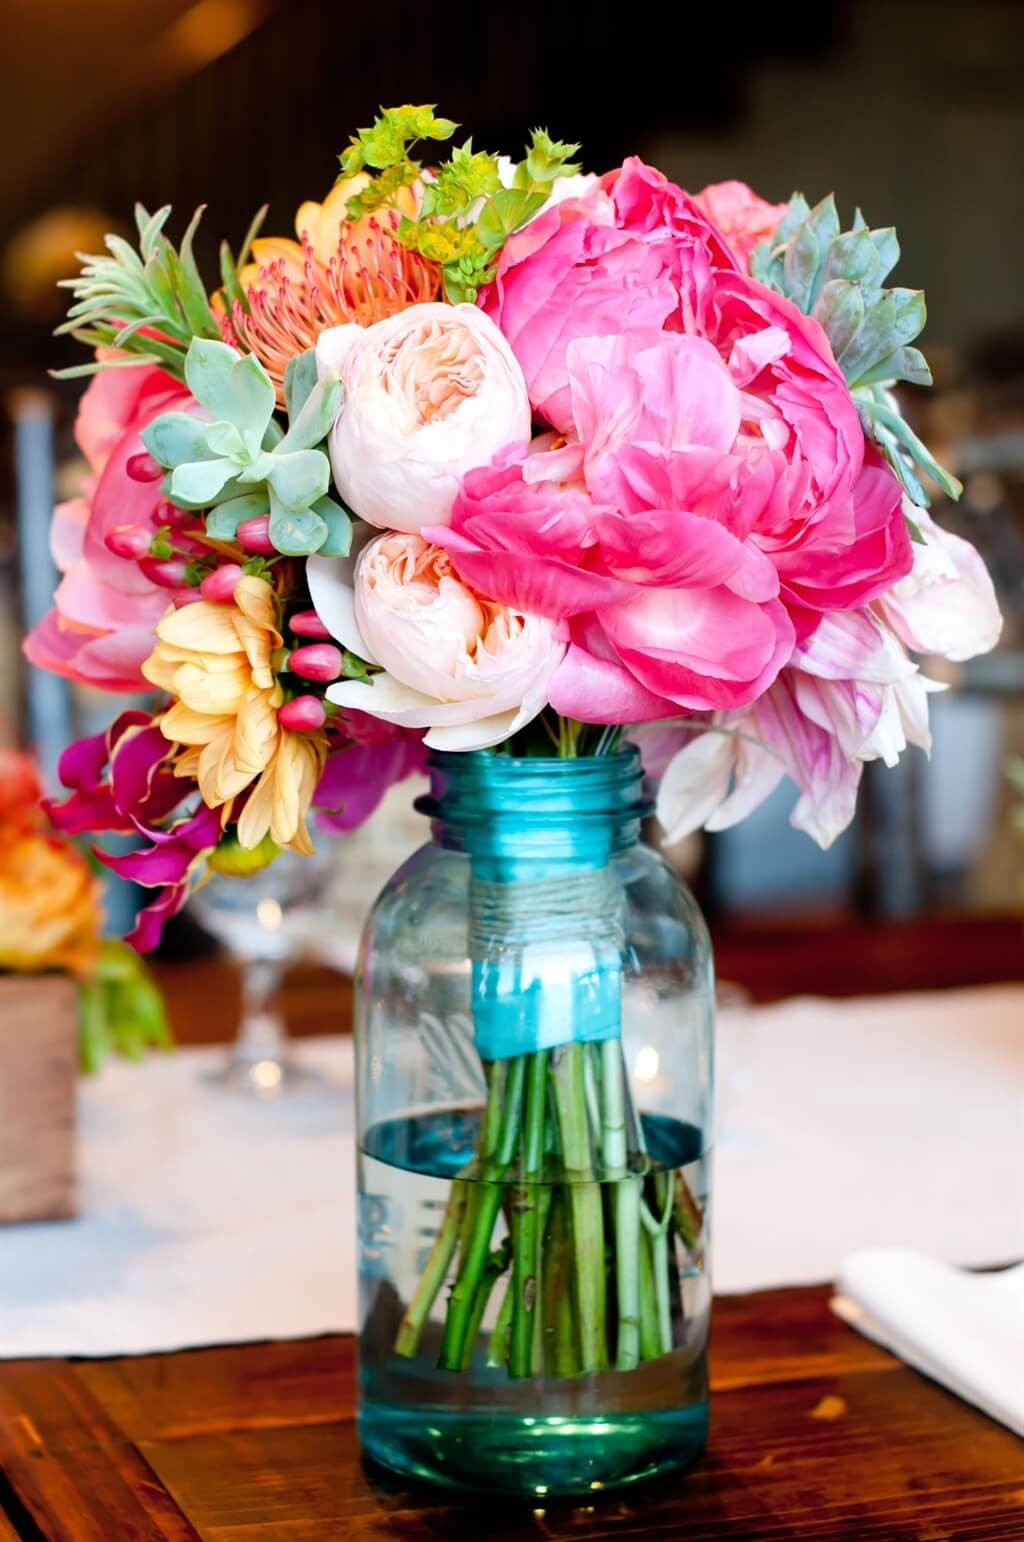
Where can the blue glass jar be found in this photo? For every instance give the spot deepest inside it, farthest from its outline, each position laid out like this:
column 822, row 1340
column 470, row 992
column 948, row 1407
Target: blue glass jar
column 534, row 1040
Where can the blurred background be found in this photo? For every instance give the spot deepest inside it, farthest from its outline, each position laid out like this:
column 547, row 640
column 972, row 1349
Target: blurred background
column 912, row 110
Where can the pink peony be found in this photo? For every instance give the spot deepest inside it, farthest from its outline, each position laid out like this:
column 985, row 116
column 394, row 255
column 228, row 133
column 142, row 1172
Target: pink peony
column 633, row 255
column 105, row 608
column 744, row 219
column 713, row 502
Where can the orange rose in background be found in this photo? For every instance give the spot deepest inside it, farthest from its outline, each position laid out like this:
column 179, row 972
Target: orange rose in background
column 50, row 913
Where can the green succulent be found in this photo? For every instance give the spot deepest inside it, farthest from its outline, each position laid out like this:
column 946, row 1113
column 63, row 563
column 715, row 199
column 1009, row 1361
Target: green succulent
column 838, row 277
column 238, row 462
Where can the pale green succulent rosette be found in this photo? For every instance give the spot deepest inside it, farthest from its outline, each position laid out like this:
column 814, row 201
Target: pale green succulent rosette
column 838, row 277
column 237, row 460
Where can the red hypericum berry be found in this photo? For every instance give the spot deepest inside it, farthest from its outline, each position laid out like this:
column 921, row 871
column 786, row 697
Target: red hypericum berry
column 254, row 535
column 143, row 468
column 219, row 585
column 306, row 623
column 174, row 518
column 169, row 573
column 320, row 661
column 302, row 715
column 130, row 541
column 188, row 546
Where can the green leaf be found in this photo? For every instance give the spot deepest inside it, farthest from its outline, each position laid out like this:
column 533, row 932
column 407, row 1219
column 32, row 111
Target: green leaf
column 852, row 256
column 299, row 379
column 800, row 266
column 199, row 482
column 888, row 249
column 229, row 278
column 176, row 437
column 316, row 417
column 338, row 540
column 224, row 439
column 907, row 364
column 299, row 479
column 255, row 397
column 504, row 213
column 223, row 521
column 295, row 533
column 919, row 453
column 840, row 310
column 208, row 367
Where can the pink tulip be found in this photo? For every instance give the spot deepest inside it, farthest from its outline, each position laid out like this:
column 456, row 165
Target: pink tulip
column 306, row 623
column 219, row 585
column 303, row 714
column 253, row 535
column 130, row 541
column 174, row 518
column 143, row 468
column 318, row 661
column 166, row 572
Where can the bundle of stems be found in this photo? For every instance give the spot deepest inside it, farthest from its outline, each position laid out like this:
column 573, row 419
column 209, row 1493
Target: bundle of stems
column 562, row 1208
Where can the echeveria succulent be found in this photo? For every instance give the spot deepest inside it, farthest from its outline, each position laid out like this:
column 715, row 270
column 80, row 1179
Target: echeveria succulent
column 236, row 461
column 838, row 278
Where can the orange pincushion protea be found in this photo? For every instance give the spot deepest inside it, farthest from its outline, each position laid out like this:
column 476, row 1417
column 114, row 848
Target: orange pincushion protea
column 338, row 271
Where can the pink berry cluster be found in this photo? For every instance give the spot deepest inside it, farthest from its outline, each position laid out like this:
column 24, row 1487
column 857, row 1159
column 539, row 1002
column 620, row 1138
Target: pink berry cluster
column 168, row 558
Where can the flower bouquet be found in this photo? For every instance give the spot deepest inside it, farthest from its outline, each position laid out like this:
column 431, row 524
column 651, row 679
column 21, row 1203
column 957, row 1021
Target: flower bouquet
column 513, row 473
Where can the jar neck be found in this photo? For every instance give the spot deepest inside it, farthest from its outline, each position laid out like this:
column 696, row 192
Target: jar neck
column 519, row 815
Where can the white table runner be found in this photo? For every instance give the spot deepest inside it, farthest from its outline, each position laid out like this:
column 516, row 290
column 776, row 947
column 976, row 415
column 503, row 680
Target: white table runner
column 206, row 1219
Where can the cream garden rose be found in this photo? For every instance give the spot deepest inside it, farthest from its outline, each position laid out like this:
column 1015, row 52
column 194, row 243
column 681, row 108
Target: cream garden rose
column 428, row 395
column 470, row 671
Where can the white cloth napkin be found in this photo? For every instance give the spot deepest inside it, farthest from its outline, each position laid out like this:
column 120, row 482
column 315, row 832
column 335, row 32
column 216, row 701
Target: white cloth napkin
column 963, row 1330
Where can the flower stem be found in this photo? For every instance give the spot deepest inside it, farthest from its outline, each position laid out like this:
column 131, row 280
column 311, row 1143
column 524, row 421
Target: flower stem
column 493, row 1270
column 497, row 1349
column 559, row 1335
column 478, row 1228
column 585, row 1203
column 441, row 1254
column 626, row 1202
column 526, row 1234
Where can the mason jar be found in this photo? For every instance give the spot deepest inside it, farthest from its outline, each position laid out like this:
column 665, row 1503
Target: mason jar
column 534, row 1020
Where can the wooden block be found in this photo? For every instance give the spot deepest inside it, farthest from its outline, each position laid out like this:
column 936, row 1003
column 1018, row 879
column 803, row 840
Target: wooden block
column 38, row 1076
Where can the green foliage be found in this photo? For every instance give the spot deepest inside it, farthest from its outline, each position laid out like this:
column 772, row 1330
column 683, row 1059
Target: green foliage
column 838, row 277
column 241, row 464
column 393, row 134
column 465, row 213
column 121, row 1010
column 123, row 297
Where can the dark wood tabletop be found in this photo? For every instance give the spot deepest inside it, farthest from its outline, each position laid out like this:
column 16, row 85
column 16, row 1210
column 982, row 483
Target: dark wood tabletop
column 816, row 1433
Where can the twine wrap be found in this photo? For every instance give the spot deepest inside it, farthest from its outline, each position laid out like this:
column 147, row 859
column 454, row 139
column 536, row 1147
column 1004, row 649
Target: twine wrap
column 546, row 907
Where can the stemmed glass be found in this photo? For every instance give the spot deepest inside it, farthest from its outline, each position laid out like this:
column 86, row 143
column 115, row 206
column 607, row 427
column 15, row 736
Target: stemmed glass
column 265, row 921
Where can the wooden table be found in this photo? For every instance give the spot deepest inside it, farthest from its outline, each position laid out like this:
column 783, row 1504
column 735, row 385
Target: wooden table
column 816, row 1434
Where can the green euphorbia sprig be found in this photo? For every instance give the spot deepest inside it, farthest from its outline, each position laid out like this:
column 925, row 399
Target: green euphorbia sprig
column 466, row 213
column 838, row 277
column 238, row 462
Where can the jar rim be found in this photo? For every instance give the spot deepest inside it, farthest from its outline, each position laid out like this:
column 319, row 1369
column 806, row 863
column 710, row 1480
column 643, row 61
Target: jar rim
column 476, row 787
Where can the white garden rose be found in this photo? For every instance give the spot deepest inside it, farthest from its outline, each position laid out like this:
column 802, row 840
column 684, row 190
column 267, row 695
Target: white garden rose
column 471, row 671
column 429, row 394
